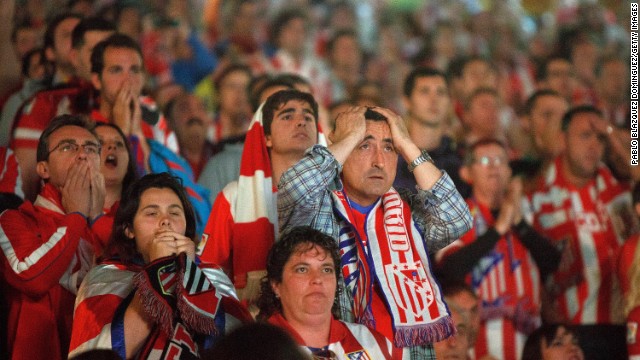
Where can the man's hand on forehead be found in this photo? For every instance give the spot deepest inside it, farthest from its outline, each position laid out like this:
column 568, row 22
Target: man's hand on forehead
column 399, row 132
column 351, row 122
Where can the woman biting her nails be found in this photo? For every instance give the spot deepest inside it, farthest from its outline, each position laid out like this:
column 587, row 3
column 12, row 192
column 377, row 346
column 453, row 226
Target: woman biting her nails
column 152, row 298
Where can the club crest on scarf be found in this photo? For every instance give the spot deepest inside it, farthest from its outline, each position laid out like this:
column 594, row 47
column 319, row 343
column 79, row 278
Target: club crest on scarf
column 358, row 355
column 414, row 294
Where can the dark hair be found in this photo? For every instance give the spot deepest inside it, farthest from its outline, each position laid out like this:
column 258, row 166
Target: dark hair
column 49, row 34
column 22, row 25
column 132, row 172
column 373, row 115
column 543, row 69
column 468, row 152
column 42, row 152
column 120, row 244
column 340, row 34
column 268, row 342
column 480, row 91
column 231, row 68
column 635, row 193
column 277, row 81
column 26, row 60
column 298, row 239
column 533, row 346
column 113, row 41
column 458, row 64
column 89, row 24
column 581, row 109
column 170, row 107
column 533, row 99
column 282, row 19
column 359, row 93
column 420, row 72
column 451, row 287
column 294, row 79
column 280, row 98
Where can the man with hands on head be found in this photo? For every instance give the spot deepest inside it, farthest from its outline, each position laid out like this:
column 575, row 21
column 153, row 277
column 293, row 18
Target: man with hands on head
column 48, row 246
column 346, row 191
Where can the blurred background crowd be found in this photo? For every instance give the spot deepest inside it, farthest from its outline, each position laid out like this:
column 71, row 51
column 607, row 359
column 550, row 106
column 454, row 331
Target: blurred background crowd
column 207, row 65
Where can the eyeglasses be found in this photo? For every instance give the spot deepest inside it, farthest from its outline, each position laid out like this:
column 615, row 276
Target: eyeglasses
column 68, row 147
column 490, row 160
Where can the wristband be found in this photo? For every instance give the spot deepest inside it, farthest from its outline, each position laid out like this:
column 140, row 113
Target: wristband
column 424, row 157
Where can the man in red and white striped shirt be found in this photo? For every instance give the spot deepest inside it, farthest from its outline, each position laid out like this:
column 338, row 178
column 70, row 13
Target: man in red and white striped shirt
column 588, row 214
column 502, row 258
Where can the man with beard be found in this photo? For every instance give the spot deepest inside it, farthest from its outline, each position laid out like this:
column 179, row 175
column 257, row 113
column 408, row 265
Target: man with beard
column 188, row 118
column 587, row 214
column 118, row 72
column 233, row 110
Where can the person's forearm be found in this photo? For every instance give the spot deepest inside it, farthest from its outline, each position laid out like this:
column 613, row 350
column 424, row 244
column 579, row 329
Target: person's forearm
column 442, row 213
column 343, row 148
column 303, row 187
column 461, row 262
column 546, row 256
column 426, row 174
column 136, row 327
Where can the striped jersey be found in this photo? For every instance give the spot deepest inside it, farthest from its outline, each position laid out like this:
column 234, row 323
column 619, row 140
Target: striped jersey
column 588, row 225
column 507, row 282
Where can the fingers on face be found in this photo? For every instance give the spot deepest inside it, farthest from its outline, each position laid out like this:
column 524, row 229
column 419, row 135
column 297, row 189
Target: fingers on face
column 78, row 174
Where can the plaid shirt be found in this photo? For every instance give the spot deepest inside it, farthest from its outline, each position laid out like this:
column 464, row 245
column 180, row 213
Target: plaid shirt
column 304, row 198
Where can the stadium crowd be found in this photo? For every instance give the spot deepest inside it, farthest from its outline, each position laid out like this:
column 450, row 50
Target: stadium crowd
column 365, row 179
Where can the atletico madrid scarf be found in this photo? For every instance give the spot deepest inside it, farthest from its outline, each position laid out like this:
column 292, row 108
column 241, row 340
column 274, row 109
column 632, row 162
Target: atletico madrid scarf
column 393, row 255
column 255, row 215
column 255, row 212
column 181, row 299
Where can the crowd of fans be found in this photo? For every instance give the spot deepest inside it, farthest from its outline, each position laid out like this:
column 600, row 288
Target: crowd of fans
column 441, row 179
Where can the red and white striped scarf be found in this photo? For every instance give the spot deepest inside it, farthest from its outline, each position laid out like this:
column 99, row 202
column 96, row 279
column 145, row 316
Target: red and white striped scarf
column 182, row 300
column 395, row 255
column 255, row 211
column 255, row 214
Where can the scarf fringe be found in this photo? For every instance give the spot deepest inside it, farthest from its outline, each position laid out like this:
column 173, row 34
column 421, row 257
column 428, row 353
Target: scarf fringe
column 189, row 314
column 367, row 318
column 155, row 307
column 195, row 320
column 407, row 336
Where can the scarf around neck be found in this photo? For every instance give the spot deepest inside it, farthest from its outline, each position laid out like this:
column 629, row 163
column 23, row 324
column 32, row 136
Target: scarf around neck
column 395, row 257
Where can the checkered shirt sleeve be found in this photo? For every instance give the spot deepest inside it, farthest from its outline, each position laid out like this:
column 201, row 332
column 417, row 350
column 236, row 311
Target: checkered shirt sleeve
column 441, row 214
column 304, row 192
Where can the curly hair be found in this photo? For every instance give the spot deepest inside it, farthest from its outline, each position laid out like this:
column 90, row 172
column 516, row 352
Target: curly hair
column 299, row 239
